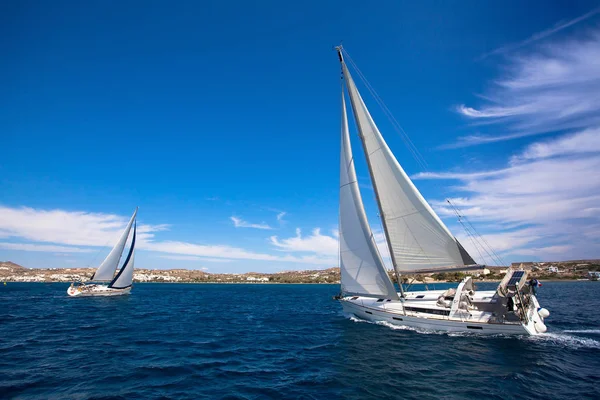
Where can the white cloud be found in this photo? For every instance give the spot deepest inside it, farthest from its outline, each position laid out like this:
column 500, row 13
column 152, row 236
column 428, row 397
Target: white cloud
column 314, row 243
column 547, row 251
column 556, row 87
column 226, row 252
column 545, row 203
column 240, row 223
column 42, row 247
column 324, row 245
column 76, row 228
column 587, row 141
column 64, row 228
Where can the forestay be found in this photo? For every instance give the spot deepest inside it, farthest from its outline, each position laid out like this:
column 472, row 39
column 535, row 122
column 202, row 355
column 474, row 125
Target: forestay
column 418, row 238
column 106, row 270
column 362, row 270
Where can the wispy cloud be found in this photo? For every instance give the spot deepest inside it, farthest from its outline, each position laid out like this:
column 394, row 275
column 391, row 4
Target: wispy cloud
column 42, row 247
column 554, row 88
column 280, row 216
column 194, row 258
column 57, row 230
column 545, row 203
column 585, row 142
column 543, row 34
column 240, row 223
column 229, row 252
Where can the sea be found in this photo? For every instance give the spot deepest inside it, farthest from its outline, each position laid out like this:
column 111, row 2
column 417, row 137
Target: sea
column 211, row 341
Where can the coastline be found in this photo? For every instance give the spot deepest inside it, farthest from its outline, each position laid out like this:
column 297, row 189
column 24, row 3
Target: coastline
column 295, row 283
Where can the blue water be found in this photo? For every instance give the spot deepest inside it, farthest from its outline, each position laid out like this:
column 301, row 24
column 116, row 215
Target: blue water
column 278, row 341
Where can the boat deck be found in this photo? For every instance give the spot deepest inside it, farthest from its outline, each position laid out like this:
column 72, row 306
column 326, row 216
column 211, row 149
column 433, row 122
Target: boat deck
column 424, row 305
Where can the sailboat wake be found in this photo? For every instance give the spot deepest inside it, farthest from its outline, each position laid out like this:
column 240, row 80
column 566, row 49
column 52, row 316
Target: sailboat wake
column 420, row 330
column 562, row 339
column 565, row 340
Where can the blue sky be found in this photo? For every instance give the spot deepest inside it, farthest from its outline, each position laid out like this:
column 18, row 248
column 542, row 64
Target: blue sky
column 220, row 120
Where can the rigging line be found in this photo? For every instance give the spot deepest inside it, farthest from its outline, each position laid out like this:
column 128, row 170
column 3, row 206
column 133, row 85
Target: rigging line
column 484, row 244
column 406, row 139
column 484, row 240
column 471, row 238
column 418, row 156
column 404, row 136
column 475, row 242
column 478, row 245
column 469, row 233
column 106, row 244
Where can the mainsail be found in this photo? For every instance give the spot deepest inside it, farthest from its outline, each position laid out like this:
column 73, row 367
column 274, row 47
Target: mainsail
column 106, row 270
column 418, row 239
column 361, row 267
column 124, row 277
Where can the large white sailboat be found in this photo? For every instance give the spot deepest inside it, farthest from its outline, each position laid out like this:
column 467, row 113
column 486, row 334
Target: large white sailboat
column 105, row 282
column 418, row 242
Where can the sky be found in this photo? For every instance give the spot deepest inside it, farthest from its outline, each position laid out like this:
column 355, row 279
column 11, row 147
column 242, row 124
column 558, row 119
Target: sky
column 220, row 120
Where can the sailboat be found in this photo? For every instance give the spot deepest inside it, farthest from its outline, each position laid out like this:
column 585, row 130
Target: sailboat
column 105, row 282
column 418, row 242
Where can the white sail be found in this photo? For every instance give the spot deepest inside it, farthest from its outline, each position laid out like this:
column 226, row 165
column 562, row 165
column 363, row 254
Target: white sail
column 418, row 238
column 106, row 270
column 124, row 277
column 361, row 267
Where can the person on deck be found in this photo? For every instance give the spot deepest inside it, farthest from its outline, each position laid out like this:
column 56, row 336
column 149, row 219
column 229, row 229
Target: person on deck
column 533, row 284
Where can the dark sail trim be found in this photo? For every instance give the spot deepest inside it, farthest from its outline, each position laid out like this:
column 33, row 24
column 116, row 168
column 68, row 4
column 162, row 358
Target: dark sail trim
column 126, row 260
column 466, row 257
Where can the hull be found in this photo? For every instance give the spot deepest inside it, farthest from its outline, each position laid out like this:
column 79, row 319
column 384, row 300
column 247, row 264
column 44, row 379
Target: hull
column 96, row 290
column 395, row 313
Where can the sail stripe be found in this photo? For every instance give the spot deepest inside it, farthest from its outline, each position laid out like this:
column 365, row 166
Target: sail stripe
column 126, row 263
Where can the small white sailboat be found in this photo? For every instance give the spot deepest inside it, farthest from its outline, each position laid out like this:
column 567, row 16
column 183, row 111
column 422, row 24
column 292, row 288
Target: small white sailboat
column 105, row 282
column 418, row 242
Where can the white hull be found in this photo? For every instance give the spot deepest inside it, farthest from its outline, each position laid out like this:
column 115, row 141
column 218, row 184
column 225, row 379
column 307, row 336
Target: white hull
column 394, row 312
column 96, row 290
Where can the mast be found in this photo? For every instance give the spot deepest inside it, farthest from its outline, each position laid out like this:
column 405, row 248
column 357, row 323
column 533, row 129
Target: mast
column 385, row 228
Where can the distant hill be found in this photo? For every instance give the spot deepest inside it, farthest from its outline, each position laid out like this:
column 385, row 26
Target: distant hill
column 12, row 272
column 11, row 266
